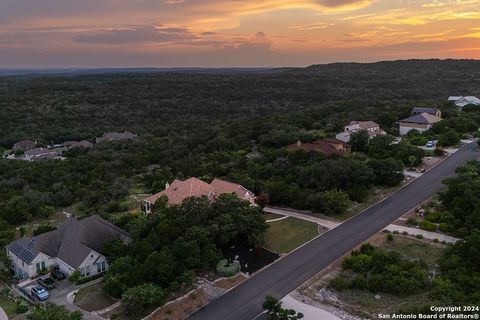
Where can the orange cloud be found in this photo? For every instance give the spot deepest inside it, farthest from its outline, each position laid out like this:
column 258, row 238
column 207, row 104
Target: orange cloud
column 292, row 32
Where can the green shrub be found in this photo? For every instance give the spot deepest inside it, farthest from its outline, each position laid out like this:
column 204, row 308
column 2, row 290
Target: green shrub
column 379, row 270
column 358, row 283
column 419, row 141
column 427, row 225
column 438, row 152
column 91, row 278
column 419, row 236
column 136, row 299
column 335, row 202
column 449, row 138
column 21, row 308
column 359, row 262
column 339, row 284
column 405, row 233
column 226, row 269
column 444, row 227
column 43, row 228
column 433, row 216
column 412, row 221
column 75, row 276
column 390, row 237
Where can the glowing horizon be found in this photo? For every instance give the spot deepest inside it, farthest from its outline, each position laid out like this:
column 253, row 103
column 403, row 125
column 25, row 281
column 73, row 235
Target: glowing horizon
column 233, row 33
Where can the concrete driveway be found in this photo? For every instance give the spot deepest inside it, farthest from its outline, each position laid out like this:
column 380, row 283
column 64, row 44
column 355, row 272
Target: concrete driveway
column 59, row 295
column 3, row 315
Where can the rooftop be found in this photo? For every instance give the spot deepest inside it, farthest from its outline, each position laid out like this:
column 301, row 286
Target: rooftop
column 422, row 118
column 72, row 242
column 180, row 190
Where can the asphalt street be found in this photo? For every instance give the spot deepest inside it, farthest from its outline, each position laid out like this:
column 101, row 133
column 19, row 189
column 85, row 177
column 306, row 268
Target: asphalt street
column 245, row 301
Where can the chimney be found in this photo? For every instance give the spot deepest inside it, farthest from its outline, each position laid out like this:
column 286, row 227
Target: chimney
column 299, row 143
column 167, row 185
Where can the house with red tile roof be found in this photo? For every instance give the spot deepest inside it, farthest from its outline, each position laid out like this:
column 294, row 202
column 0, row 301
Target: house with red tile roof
column 179, row 190
column 327, row 146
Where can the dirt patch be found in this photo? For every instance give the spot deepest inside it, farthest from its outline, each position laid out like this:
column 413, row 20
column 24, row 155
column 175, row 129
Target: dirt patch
column 228, row 283
column 429, row 162
column 181, row 308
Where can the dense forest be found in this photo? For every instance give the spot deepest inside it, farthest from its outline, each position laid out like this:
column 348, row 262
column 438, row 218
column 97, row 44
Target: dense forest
column 66, row 108
column 233, row 126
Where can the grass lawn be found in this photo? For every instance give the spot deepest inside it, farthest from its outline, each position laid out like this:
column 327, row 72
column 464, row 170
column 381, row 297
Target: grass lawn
column 285, row 235
column 271, row 216
column 8, row 306
column 93, row 298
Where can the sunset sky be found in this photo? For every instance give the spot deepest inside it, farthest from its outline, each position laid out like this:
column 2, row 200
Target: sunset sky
column 244, row 33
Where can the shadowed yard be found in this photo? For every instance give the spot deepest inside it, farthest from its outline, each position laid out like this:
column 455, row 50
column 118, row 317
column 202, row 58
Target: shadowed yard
column 93, row 298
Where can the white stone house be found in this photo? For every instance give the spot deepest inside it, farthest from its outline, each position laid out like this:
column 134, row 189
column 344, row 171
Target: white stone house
column 75, row 245
column 39, row 154
column 461, row 101
column 372, row 128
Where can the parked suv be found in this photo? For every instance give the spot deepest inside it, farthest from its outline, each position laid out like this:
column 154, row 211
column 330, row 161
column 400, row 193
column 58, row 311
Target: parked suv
column 46, row 282
column 430, row 144
column 40, row 292
column 57, row 275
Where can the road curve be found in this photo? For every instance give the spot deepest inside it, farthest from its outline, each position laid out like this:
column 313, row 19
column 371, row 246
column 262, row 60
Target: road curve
column 245, row 301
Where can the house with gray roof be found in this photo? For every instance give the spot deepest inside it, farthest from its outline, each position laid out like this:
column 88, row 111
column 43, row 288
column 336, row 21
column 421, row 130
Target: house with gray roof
column 75, row 245
column 40, row 154
column 420, row 122
column 461, row 101
column 434, row 111
column 115, row 136
column 24, row 145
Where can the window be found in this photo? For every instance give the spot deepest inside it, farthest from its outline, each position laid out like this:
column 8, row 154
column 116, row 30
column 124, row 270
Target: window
column 87, row 270
column 101, row 266
column 40, row 266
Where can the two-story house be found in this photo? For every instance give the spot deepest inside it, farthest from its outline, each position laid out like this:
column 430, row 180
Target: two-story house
column 371, row 127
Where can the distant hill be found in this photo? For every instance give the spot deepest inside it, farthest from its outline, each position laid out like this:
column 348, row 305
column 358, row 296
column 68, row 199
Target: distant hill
column 93, row 71
column 71, row 104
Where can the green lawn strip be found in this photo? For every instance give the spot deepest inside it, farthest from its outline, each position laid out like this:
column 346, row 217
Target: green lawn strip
column 285, row 235
column 93, row 298
column 8, row 306
column 271, row 216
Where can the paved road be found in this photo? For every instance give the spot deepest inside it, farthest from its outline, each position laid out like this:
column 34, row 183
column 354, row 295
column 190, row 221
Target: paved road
column 244, row 302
